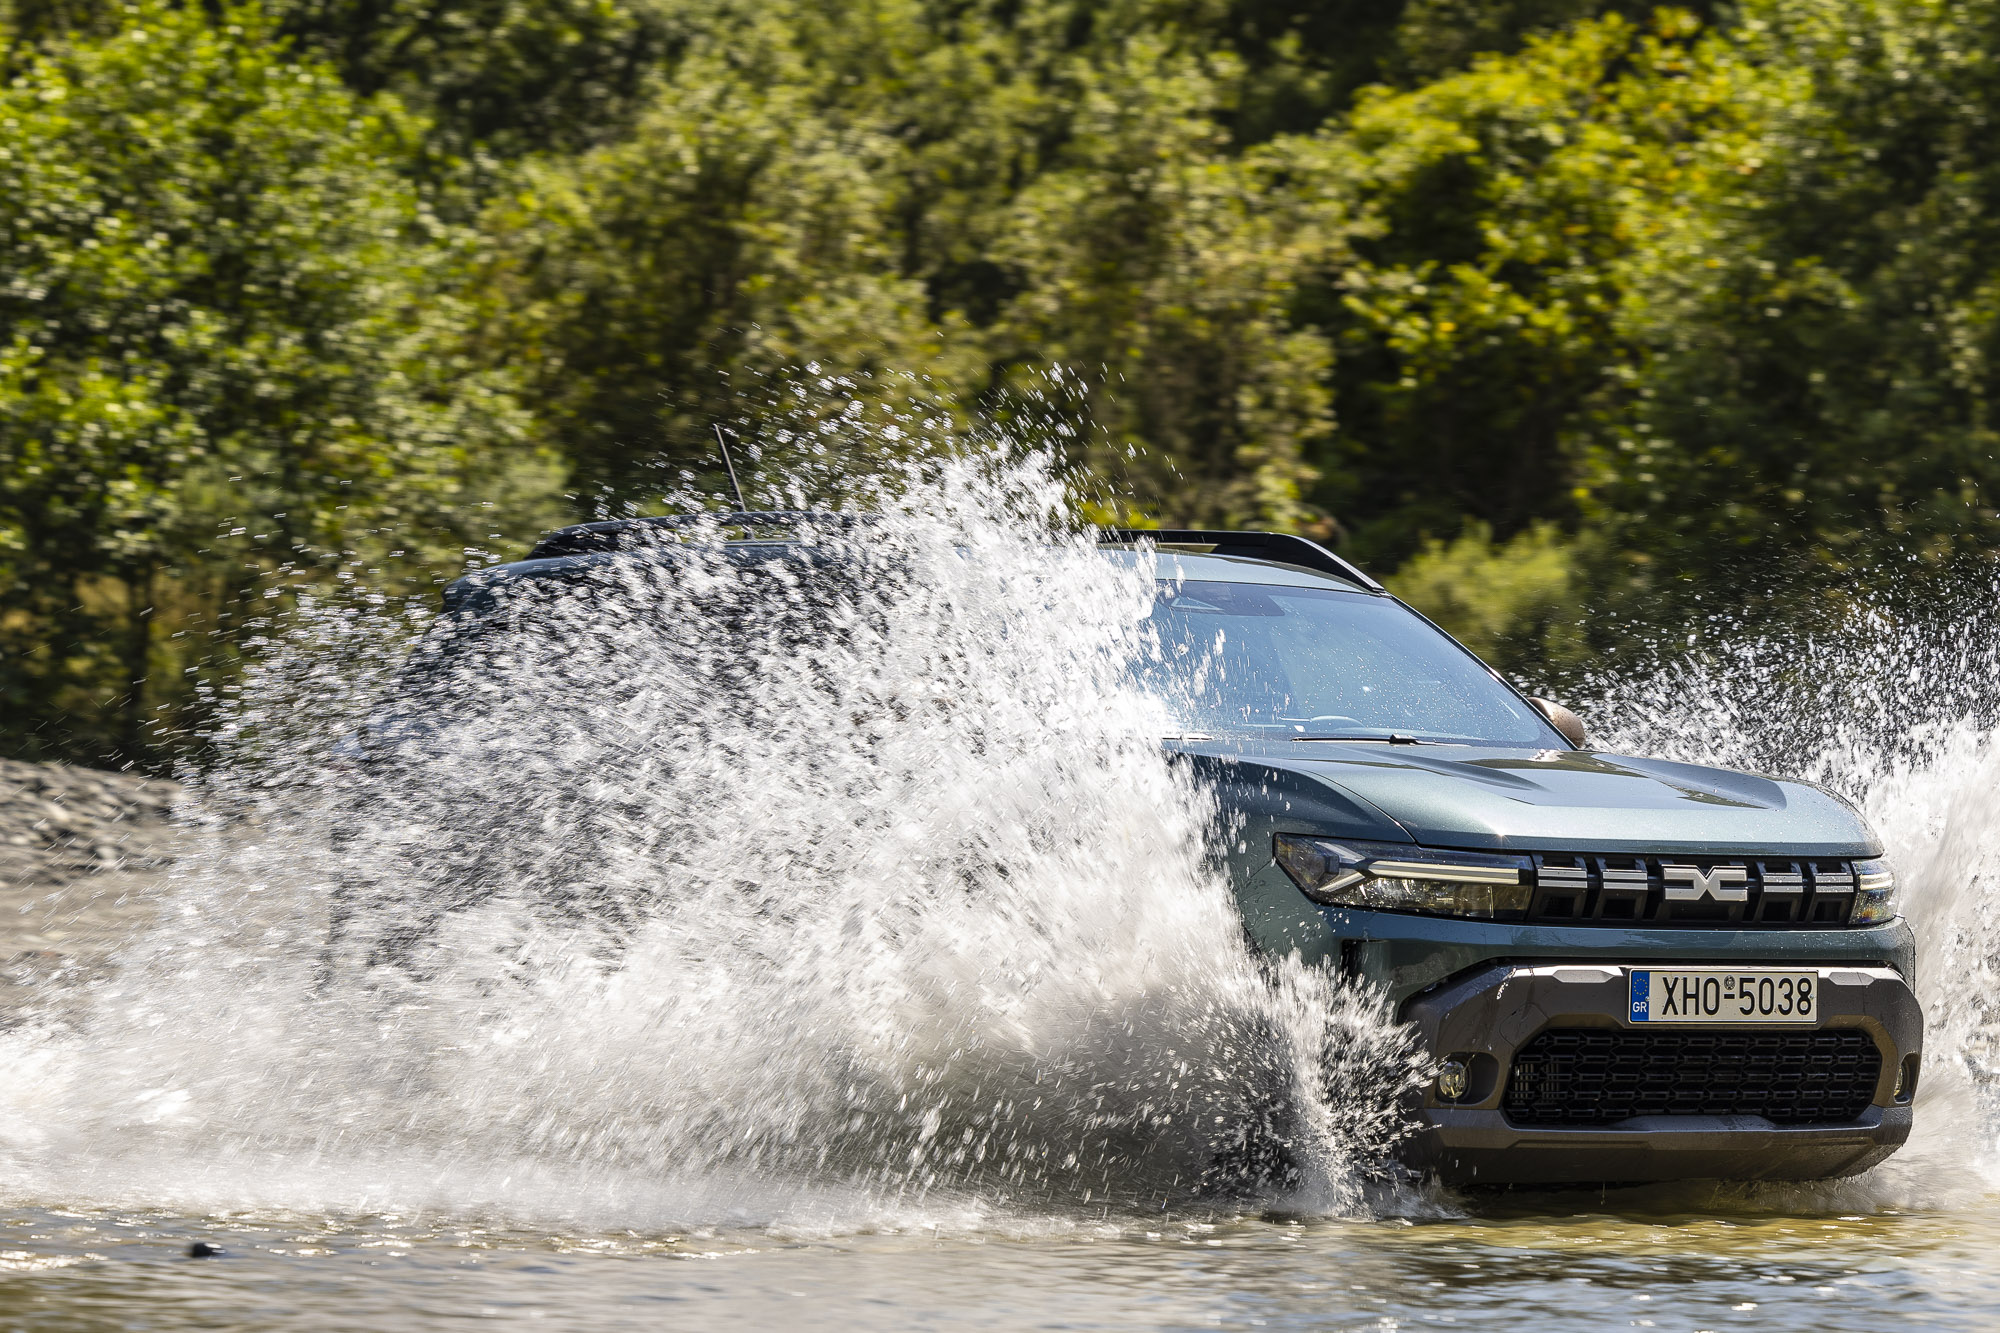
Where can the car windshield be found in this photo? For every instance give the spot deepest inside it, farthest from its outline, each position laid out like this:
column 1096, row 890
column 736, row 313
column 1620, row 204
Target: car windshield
column 1235, row 658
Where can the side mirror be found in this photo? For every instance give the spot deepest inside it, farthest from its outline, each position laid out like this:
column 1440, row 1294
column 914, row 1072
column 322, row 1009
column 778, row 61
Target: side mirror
column 1568, row 723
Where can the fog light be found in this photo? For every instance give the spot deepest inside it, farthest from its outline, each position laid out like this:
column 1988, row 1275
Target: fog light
column 1906, row 1079
column 1452, row 1076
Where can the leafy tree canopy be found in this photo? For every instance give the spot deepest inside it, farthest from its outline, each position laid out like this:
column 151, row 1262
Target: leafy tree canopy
column 1544, row 303
column 231, row 344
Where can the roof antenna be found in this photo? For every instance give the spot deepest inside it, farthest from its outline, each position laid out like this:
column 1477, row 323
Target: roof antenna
column 742, row 505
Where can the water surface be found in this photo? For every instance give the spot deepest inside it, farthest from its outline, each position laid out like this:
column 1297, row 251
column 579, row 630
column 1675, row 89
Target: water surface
column 1554, row 1262
column 860, row 965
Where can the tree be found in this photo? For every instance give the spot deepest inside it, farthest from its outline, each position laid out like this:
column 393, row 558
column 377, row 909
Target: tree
column 1500, row 211
column 487, row 76
column 973, row 196
column 1813, row 383
column 1721, row 297
column 231, row 341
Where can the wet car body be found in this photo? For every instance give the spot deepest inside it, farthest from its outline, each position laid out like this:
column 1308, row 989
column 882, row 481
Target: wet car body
column 1484, row 990
column 1613, row 874
column 1537, row 1010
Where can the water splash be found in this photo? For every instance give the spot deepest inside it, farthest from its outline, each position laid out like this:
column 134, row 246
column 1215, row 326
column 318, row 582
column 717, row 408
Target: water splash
column 1899, row 711
column 867, row 900
column 852, row 883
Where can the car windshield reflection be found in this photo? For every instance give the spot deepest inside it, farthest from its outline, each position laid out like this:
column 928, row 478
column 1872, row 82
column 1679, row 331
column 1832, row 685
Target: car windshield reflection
column 1322, row 664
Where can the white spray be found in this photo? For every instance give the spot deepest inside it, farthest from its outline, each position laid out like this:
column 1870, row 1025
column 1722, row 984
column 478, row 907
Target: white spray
column 1897, row 712
column 851, row 886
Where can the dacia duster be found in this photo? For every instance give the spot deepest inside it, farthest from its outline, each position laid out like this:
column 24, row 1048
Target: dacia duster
column 1624, row 969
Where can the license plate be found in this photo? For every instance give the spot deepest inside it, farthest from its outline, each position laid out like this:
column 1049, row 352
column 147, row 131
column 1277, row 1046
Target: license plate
column 1716, row 995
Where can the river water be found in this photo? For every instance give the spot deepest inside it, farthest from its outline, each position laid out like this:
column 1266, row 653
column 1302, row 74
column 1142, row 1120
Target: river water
column 1555, row 1263
column 844, row 954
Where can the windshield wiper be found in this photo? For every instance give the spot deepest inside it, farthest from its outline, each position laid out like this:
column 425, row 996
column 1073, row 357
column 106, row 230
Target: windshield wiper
column 1393, row 738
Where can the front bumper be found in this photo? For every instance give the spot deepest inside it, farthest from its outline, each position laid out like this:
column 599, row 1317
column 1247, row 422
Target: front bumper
column 1486, row 1016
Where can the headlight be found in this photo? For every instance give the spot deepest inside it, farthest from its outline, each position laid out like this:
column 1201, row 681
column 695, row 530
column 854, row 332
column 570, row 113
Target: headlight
column 1396, row 877
column 1874, row 893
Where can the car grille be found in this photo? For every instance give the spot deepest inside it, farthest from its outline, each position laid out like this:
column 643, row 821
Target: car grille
column 1600, row 1076
column 1690, row 891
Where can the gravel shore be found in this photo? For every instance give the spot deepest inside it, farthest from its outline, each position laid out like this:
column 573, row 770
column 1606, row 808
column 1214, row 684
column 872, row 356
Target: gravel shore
column 59, row 824
column 80, row 853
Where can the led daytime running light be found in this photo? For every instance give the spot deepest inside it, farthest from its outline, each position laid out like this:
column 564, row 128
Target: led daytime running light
column 1401, row 878
column 1874, row 894
column 1448, row 873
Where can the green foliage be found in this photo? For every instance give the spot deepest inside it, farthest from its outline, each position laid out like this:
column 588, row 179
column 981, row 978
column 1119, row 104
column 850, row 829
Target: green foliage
column 972, row 197
column 1514, row 603
column 489, row 75
column 1436, row 37
column 1811, row 390
column 499, row 75
column 1549, row 303
column 1483, row 321
column 1724, row 297
column 230, row 346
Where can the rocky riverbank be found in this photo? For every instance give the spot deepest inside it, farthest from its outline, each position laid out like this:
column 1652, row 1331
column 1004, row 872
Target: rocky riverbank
column 59, row 824
column 81, row 851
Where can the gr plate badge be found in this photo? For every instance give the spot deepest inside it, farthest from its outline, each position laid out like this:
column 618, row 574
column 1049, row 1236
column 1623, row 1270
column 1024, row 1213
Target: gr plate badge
column 1764, row 995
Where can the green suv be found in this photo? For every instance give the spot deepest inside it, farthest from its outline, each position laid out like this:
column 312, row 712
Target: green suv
column 1624, row 969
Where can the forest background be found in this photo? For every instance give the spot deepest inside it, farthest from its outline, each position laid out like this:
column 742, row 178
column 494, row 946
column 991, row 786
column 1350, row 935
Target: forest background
column 1577, row 318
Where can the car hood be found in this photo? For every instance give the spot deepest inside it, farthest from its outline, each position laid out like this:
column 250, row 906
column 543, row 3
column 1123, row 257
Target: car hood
column 1565, row 800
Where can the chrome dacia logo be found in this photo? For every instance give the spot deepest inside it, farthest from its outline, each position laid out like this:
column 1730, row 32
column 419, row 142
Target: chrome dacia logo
column 1725, row 884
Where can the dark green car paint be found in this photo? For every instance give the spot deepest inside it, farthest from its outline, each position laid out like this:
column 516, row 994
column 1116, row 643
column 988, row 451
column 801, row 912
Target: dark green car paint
column 1475, row 798
column 1450, row 977
column 1460, row 797
column 1437, row 972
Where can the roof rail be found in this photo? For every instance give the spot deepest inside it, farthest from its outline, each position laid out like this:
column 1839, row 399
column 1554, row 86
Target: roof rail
column 627, row 534
column 1282, row 547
